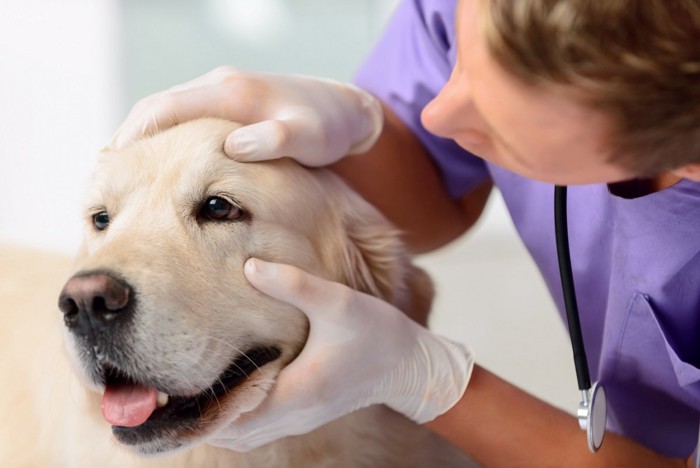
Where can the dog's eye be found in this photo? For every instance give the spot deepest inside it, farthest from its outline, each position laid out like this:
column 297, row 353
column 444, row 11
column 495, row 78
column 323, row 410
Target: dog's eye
column 100, row 220
column 220, row 209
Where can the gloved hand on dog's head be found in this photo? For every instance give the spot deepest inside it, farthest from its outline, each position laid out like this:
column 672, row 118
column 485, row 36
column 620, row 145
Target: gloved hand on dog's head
column 313, row 120
column 361, row 351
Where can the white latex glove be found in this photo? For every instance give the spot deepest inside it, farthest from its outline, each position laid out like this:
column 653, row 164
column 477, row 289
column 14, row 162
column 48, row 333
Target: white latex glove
column 360, row 351
column 314, row 120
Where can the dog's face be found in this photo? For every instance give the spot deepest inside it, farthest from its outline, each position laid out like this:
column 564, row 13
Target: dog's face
column 159, row 316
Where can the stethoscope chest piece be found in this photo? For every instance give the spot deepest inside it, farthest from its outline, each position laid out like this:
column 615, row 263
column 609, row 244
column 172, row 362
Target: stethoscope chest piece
column 592, row 415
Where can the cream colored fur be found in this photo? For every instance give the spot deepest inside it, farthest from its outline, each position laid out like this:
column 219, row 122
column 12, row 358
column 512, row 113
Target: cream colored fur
column 196, row 310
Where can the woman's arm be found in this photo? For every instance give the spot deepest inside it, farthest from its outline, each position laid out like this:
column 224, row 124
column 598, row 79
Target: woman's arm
column 398, row 176
column 501, row 425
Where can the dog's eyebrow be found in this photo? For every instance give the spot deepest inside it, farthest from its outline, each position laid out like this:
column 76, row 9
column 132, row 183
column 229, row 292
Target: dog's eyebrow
column 96, row 208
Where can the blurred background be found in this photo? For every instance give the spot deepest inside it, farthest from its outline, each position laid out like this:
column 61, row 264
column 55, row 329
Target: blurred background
column 71, row 70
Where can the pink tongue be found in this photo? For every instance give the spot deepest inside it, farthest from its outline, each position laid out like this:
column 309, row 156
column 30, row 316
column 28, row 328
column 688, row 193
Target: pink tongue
column 128, row 405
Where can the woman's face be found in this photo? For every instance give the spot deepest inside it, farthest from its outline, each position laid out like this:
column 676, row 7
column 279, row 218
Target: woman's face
column 534, row 132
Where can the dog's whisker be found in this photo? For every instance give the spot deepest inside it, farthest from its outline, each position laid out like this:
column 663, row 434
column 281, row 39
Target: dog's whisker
column 216, row 398
column 194, row 367
column 252, row 362
column 240, row 352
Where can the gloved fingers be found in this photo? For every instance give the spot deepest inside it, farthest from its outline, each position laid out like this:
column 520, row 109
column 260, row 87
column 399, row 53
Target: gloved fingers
column 181, row 104
column 245, row 437
column 298, row 135
column 213, row 77
column 130, row 129
column 233, row 444
column 257, row 142
column 149, row 115
column 286, row 411
column 370, row 127
column 251, row 433
column 315, row 121
column 312, row 295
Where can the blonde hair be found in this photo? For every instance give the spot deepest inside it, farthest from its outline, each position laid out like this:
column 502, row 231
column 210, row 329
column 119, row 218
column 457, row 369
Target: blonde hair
column 636, row 60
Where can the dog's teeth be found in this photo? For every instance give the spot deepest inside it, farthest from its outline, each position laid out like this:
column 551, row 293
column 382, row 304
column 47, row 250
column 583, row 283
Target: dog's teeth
column 162, row 399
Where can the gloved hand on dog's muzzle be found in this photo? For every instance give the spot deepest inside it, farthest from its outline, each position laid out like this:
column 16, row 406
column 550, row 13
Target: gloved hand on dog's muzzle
column 314, row 120
column 361, row 351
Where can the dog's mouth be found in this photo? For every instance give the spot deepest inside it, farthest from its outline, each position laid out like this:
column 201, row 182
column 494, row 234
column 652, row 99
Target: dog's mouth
column 138, row 412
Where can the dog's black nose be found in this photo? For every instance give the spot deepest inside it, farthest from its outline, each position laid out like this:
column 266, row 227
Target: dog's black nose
column 95, row 300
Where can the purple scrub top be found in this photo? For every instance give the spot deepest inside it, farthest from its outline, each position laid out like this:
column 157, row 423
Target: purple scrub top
column 636, row 262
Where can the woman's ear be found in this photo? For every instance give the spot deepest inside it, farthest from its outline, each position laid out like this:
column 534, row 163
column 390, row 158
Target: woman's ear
column 689, row 171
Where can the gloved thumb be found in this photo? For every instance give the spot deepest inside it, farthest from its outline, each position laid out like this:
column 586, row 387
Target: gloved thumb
column 258, row 142
column 294, row 286
column 297, row 135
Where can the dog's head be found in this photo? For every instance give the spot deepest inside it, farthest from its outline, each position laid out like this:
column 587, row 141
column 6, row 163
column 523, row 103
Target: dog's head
column 159, row 316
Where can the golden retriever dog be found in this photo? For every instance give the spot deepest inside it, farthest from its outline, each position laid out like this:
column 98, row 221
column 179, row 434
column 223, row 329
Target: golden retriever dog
column 158, row 340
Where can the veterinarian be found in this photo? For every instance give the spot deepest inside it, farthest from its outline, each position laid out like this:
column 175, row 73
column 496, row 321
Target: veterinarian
column 457, row 97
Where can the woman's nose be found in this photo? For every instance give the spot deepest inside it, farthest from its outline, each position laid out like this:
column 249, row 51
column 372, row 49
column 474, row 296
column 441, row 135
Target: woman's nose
column 452, row 114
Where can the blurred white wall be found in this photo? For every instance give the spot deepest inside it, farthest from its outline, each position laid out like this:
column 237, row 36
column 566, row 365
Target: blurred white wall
column 59, row 91
column 171, row 41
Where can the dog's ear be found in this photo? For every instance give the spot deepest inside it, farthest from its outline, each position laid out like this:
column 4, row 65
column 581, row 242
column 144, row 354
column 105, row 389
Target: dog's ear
column 375, row 260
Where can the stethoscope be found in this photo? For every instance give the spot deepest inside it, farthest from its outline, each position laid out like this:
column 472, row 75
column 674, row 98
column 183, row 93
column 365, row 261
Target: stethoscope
column 592, row 410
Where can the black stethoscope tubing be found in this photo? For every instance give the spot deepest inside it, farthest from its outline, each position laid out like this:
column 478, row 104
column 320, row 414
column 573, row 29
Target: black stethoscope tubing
column 592, row 411
column 561, row 232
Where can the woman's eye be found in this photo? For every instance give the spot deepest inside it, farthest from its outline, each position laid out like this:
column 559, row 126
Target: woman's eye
column 220, row 209
column 100, row 220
